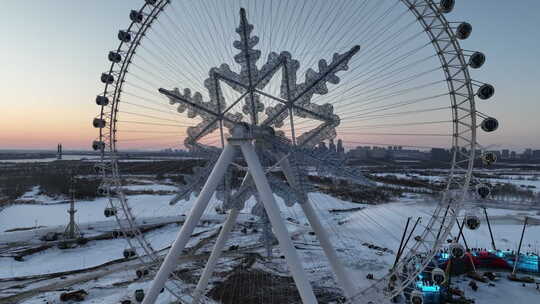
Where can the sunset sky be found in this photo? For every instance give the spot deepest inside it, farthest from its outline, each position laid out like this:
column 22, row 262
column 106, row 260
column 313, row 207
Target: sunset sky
column 53, row 51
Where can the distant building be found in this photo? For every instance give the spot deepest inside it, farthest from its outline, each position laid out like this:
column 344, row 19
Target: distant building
column 513, row 155
column 322, row 147
column 358, row 153
column 340, row 148
column 505, row 154
column 332, row 146
column 527, row 154
column 536, row 154
column 378, row 153
column 439, row 154
column 59, row 151
column 405, row 154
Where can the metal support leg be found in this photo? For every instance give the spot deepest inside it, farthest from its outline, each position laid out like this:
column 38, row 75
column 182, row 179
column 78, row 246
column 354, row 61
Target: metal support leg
column 490, row 232
column 216, row 253
column 169, row 263
column 267, row 197
column 341, row 275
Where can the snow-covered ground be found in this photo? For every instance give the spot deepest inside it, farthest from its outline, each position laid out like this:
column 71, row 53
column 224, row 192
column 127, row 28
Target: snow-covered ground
column 381, row 225
column 19, row 216
column 504, row 291
column 151, row 187
column 523, row 183
column 51, row 159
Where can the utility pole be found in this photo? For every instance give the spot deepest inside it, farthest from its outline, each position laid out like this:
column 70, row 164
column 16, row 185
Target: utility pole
column 401, row 242
column 519, row 247
column 490, row 232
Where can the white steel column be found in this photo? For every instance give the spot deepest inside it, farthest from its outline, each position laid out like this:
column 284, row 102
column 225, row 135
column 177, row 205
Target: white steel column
column 214, row 256
column 342, row 276
column 267, row 197
column 170, row 261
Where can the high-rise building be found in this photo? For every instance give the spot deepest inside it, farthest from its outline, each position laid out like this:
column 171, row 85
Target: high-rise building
column 505, row 154
column 340, row 148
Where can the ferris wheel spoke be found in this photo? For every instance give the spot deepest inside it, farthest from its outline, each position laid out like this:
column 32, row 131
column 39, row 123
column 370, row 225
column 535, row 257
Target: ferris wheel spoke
column 391, row 64
column 371, row 116
column 169, row 112
column 150, row 123
column 394, row 105
column 152, row 117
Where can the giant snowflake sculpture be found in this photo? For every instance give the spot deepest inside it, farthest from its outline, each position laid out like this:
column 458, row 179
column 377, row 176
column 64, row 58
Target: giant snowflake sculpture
column 294, row 101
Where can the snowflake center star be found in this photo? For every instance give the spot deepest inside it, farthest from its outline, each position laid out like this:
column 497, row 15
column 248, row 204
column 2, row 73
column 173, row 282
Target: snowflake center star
column 294, row 100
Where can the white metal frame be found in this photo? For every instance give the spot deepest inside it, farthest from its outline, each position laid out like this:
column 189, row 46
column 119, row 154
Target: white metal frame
column 267, row 197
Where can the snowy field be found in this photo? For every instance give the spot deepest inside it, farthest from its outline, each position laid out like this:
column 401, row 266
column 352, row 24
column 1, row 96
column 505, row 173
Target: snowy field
column 350, row 225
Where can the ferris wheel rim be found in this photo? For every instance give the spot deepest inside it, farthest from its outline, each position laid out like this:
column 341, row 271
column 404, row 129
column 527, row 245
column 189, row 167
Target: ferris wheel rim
column 464, row 190
column 159, row 6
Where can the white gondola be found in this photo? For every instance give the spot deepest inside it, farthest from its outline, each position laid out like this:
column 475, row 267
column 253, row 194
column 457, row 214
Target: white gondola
column 141, row 272
column 489, row 158
column 136, row 16
column 477, row 60
column 139, row 295
column 438, row 276
column 486, row 91
column 98, row 145
column 490, row 124
column 129, row 252
column 102, row 100
column 107, row 78
column 102, row 190
column 483, row 190
column 99, row 123
column 98, row 168
column 114, row 57
column 417, row 297
column 446, row 6
column 457, row 251
column 109, row 211
column 472, row 222
column 464, row 30
column 124, row 36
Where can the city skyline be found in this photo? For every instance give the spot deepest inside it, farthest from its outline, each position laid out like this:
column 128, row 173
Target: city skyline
column 52, row 64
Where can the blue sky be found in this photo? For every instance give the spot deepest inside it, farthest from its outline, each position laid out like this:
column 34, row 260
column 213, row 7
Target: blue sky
column 53, row 52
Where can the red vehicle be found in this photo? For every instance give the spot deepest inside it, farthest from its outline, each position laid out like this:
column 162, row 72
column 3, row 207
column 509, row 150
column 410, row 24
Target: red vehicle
column 485, row 259
column 481, row 259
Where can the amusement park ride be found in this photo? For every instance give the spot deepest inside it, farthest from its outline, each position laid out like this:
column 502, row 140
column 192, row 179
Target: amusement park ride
column 260, row 117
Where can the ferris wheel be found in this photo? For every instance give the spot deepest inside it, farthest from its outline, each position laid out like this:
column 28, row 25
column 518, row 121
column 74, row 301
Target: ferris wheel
column 252, row 88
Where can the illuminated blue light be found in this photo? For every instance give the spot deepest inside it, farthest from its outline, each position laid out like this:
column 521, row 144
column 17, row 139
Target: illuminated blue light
column 428, row 288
